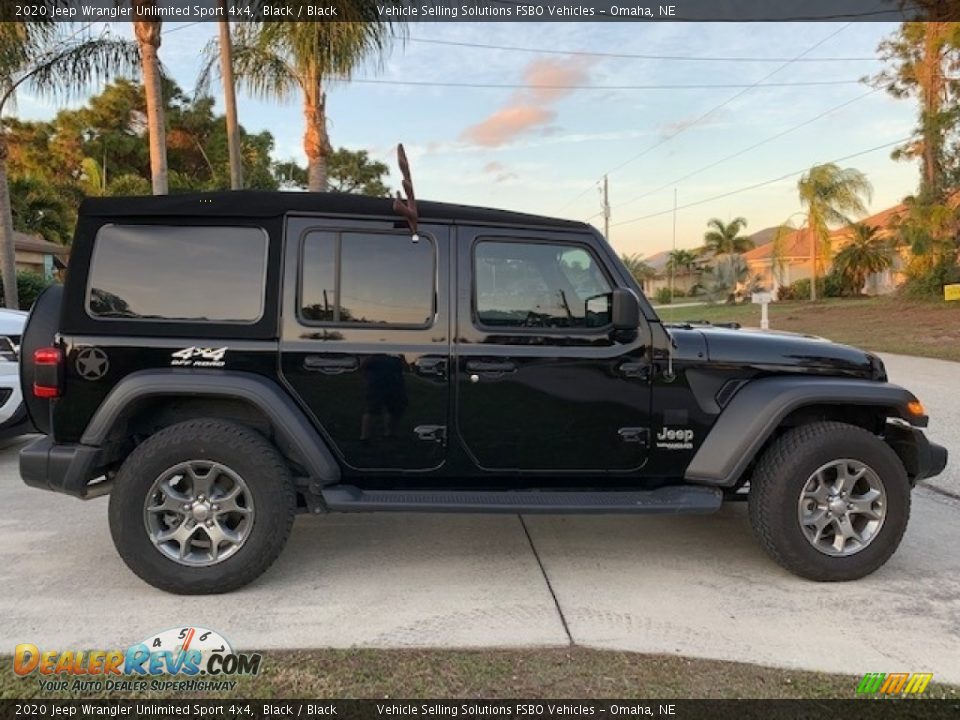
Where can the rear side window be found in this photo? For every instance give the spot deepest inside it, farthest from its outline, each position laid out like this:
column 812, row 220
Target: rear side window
column 174, row 273
column 367, row 279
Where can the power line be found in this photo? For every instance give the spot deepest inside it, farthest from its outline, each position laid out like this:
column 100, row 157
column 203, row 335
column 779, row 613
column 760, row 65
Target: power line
column 634, row 56
column 686, row 126
column 759, row 184
column 181, row 27
column 527, row 86
column 750, row 148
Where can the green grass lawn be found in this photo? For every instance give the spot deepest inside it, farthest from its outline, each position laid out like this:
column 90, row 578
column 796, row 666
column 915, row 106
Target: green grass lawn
column 573, row 672
column 884, row 324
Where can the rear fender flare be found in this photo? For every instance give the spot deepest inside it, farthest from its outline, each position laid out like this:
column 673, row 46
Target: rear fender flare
column 287, row 420
column 761, row 405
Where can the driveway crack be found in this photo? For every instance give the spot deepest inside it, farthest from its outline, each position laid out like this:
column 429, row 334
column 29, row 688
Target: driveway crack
column 546, row 579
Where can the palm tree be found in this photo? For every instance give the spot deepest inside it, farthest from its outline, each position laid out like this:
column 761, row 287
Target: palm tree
column 637, row 267
column 680, row 261
column 38, row 54
column 725, row 239
column 279, row 59
column 148, row 39
column 866, row 253
column 830, row 195
column 230, row 100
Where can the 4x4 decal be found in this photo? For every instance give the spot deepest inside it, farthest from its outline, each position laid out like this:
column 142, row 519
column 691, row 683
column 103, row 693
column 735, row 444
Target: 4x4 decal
column 199, row 357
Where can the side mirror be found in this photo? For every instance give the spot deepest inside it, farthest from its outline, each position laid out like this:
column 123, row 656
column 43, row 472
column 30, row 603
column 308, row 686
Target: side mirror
column 625, row 312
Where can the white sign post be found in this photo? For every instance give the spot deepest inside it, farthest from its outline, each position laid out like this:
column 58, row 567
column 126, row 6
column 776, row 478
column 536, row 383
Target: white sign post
column 763, row 299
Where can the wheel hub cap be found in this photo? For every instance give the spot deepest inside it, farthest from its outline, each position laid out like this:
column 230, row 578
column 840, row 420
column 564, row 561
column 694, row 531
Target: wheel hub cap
column 842, row 507
column 198, row 513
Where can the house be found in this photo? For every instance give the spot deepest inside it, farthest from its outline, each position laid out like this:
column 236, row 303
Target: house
column 683, row 280
column 796, row 251
column 35, row 254
column 686, row 279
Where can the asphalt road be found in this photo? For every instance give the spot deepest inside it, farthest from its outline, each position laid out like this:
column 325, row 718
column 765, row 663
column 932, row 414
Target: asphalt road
column 696, row 586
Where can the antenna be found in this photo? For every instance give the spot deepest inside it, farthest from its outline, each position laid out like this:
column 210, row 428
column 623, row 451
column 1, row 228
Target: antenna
column 406, row 208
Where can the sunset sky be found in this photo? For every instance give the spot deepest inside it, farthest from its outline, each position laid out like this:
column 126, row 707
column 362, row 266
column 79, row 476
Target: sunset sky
column 544, row 151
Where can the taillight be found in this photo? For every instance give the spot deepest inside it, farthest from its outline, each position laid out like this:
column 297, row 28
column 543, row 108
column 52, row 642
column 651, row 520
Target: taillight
column 46, row 372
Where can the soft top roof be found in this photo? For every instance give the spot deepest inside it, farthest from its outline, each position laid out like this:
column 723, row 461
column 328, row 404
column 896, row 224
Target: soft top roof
column 253, row 203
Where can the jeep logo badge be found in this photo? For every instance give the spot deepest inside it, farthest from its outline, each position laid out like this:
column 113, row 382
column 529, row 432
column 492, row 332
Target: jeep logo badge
column 92, row 363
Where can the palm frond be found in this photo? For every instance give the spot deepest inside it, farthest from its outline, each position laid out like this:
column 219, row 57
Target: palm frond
column 71, row 68
column 265, row 73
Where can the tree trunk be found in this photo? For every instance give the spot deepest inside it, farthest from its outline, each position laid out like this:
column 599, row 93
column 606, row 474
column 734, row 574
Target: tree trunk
column 8, row 255
column 813, row 264
column 932, row 87
column 316, row 142
column 230, row 101
column 148, row 39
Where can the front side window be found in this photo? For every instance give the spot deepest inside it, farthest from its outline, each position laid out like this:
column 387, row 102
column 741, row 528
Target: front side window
column 367, row 279
column 177, row 273
column 539, row 285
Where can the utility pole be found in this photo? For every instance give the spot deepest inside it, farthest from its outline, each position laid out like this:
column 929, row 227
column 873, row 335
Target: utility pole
column 606, row 210
column 672, row 268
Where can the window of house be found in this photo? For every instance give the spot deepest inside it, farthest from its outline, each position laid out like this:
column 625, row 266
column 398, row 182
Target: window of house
column 539, row 285
column 189, row 274
column 367, row 279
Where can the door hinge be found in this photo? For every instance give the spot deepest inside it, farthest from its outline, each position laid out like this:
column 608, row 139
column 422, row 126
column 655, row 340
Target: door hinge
column 431, row 433
column 638, row 435
column 640, row 370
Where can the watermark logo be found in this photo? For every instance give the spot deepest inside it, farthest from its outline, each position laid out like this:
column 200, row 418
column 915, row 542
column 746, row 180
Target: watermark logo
column 159, row 662
column 894, row 683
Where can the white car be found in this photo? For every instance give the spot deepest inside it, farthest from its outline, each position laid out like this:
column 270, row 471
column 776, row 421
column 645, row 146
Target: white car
column 13, row 415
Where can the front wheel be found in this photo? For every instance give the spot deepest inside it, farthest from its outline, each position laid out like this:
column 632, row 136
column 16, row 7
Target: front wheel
column 204, row 506
column 829, row 501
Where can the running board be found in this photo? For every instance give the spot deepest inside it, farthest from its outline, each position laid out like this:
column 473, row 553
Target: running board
column 672, row 499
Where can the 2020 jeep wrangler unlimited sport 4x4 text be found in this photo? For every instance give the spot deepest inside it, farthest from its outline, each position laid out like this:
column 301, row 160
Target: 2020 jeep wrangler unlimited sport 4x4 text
column 219, row 362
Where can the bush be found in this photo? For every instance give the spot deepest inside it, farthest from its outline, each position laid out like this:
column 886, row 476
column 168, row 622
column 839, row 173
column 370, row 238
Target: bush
column 829, row 286
column 929, row 285
column 29, row 287
column 662, row 296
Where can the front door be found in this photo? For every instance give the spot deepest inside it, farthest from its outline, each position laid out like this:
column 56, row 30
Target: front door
column 543, row 382
column 366, row 339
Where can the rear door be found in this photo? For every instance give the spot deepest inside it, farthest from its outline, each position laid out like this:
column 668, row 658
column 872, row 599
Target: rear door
column 365, row 342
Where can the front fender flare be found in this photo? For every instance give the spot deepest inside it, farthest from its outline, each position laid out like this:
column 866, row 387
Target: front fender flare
column 287, row 419
column 758, row 408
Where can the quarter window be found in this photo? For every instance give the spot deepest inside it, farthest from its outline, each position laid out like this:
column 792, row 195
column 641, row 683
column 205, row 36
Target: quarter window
column 539, row 285
column 191, row 274
column 367, row 279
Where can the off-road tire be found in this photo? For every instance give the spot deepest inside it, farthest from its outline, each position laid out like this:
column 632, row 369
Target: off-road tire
column 783, row 471
column 243, row 450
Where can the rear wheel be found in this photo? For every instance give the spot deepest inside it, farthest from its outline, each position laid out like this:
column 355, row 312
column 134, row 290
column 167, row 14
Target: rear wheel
column 204, row 506
column 829, row 501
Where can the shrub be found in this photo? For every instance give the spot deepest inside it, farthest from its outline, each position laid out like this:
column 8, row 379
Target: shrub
column 829, row 286
column 662, row 296
column 29, row 287
column 929, row 284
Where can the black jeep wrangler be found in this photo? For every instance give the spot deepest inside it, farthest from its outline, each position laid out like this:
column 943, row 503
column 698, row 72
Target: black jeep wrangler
column 220, row 362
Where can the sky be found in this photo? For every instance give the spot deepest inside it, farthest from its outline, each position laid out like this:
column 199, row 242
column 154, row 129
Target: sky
column 544, row 151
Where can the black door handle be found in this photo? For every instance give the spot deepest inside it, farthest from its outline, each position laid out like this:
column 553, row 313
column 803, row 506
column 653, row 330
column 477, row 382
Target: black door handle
column 491, row 367
column 433, row 366
column 330, row 365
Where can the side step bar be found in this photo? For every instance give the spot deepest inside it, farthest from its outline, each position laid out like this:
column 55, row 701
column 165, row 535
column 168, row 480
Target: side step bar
column 672, row 499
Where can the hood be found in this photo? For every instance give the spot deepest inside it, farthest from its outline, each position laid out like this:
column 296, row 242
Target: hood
column 783, row 352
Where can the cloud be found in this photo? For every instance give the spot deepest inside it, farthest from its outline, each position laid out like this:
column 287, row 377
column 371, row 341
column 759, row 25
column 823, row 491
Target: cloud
column 530, row 109
column 505, row 124
column 500, row 172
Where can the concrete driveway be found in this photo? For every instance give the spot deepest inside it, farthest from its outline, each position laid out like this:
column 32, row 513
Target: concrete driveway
column 690, row 585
